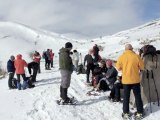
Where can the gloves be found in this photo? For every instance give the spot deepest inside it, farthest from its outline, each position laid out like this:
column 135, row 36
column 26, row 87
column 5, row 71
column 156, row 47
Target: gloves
column 103, row 73
column 110, row 86
column 107, row 76
column 107, row 82
column 117, row 81
column 9, row 73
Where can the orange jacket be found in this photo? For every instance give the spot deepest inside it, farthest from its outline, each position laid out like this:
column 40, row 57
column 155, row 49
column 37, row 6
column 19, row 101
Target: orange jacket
column 130, row 63
column 20, row 64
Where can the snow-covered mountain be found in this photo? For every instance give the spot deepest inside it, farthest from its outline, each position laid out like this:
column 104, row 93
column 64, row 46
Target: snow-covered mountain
column 20, row 39
column 113, row 45
column 39, row 103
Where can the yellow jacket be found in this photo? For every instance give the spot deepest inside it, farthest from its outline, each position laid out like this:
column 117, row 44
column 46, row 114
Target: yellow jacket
column 130, row 63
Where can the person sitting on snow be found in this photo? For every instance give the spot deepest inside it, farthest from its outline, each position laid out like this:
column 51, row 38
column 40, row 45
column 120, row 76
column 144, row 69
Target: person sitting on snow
column 110, row 77
column 115, row 91
column 102, row 71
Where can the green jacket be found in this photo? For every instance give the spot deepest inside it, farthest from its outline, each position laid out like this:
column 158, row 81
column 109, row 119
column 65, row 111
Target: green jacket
column 65, row 61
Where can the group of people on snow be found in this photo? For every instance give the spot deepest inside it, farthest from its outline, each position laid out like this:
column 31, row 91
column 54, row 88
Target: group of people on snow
column 17, row 66
column 105, row 75
column 48, row 56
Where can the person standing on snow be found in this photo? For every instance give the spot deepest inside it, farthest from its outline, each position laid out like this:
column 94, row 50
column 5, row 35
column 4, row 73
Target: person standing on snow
column 11, row 71
column 19, row 65
column 51, row 56
column 90, row 65
column 75, row 59
column 96, row 53
column 66, row 69
column 37, row 58
column 130, row 63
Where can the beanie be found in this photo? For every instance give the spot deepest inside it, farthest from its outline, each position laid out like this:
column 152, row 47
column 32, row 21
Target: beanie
column 68, row 45
column 12, row 58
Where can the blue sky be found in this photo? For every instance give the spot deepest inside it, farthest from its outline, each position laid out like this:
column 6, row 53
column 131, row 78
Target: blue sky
column 92, row 18
column 151, row 9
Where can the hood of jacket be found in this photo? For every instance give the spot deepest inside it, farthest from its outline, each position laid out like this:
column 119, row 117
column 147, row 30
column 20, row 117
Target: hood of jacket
column 19, row 56
column 62, row 50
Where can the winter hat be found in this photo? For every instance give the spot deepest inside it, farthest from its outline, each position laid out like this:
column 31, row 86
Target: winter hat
column 12, row 58
column 68, row 45
column 109, row 62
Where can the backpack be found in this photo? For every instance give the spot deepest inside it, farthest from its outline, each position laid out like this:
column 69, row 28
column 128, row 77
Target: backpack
column 148, row 49
column 14, row 83
column 80, row 69
column 158, row 51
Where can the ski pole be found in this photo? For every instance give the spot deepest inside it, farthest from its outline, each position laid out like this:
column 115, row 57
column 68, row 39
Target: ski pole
column 155, row 87
column 149, row 91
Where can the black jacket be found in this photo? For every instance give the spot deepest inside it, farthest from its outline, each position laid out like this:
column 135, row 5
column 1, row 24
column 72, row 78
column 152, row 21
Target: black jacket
column 112, row 75
column 89, row 59
column 10, row 66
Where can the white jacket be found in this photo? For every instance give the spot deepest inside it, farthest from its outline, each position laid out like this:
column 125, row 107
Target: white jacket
column 76, row 56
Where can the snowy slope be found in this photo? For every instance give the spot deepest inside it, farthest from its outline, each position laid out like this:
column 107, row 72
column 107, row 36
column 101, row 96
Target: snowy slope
column 17, row 38
column 39, row 103
column 148, row 33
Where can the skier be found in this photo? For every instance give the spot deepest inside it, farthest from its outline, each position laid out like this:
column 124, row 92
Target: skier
column 11, row 71
column 66, row 69
column 130, row 63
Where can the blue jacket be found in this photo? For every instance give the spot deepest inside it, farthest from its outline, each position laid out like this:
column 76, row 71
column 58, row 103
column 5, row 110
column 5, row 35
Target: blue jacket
column 10, row 66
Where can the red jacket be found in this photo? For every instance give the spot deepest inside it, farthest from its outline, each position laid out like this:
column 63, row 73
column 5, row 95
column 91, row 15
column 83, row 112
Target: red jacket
column 20, row 64
column 36, row 58
column 51, row 55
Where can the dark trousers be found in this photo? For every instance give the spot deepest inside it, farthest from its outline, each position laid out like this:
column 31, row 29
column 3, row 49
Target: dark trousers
column 35, row 70
column 115, row 91
column 137, row 93
column 23, row 76
column 39, row 68
column 90, row 67
column 52, row 63
column 33, row 66
column 47, row 64
column 96, row 58
column 98, row 78
column 63, row 93
column 11, row 76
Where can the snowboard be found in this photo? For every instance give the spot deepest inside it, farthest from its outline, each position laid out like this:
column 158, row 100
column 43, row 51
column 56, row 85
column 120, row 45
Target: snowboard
column 74, row 102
